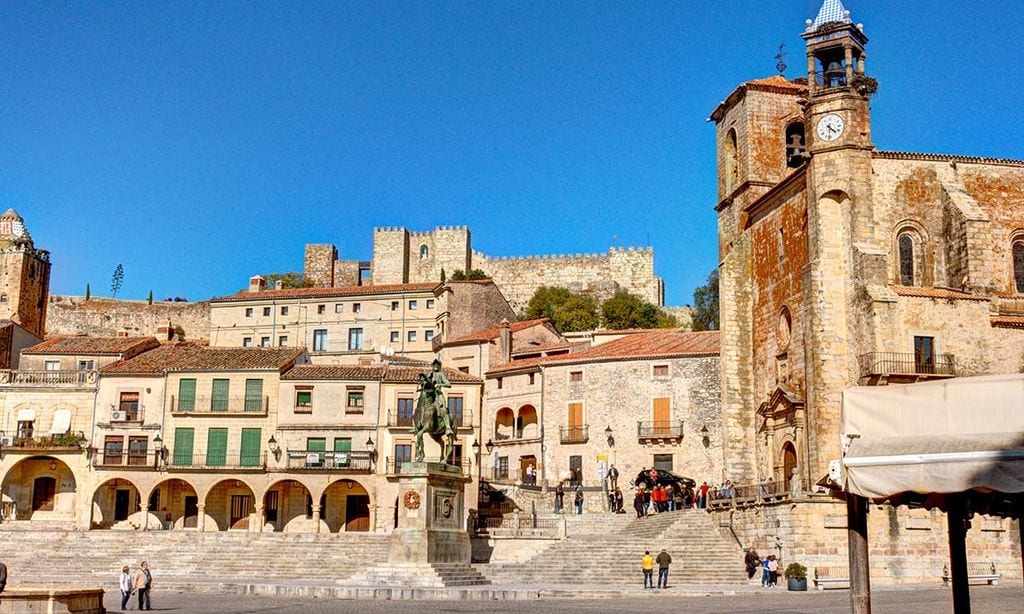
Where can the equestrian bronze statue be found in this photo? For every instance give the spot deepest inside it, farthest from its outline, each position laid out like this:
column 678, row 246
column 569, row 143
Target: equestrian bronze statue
column 431, row 415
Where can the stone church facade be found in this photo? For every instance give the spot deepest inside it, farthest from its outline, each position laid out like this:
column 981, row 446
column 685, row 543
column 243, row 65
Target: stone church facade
column 401, row 256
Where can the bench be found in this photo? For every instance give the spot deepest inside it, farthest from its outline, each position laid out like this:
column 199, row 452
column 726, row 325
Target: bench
column 833, row 576
column 976, row 572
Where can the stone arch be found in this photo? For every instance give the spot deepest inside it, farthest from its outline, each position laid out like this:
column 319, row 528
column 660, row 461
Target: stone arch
column 732, row 164
column 285, row 505
column 116, row 501
column 345, row 506
column 230, row 504
column 910, row 241
column 39, row 488
column 174, row 503
column 527, row 422
column 504, row 423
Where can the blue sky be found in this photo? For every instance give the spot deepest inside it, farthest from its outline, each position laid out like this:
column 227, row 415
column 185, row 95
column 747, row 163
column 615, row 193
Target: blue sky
column 201, row 143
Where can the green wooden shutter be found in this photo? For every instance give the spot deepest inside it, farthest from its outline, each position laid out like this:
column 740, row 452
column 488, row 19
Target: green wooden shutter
column 186, row 395
column 251, row 443
column 253, row 395
column 183, row 438
column 219, row 400
column 216, row 447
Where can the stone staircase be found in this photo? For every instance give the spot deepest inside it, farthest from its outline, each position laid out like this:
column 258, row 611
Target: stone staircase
column 607, row 548
column 75, row 556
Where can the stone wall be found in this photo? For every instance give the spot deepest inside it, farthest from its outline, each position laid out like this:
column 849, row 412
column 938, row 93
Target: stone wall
column 906, row 546
column 73, row 315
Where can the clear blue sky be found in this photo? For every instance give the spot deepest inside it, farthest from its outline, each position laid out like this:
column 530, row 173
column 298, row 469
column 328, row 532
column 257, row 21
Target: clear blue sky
column 201, row 143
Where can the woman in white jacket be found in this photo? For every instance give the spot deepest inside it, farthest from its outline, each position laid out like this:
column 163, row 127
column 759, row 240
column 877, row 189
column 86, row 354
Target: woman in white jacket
column 125, row 582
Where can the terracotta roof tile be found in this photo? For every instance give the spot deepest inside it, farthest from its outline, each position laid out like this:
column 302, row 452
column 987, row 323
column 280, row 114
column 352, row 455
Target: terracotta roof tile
column 189, row 357
column 946, row 293
column 639, row 346
column 492, row 333
column 126, row 346
column 403, row 373
column 299, row 293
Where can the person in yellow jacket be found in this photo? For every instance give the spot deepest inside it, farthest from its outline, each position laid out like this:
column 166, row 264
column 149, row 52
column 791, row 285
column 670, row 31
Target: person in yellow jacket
column 647, row 564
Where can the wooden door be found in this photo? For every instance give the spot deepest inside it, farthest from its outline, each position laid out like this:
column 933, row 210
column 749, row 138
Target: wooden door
column 662, row 417
column 44, row 491
column 357, row 513
column 121, row 498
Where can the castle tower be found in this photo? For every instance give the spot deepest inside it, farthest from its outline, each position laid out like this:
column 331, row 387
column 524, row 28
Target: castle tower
column 24, row 275
column 839, row 217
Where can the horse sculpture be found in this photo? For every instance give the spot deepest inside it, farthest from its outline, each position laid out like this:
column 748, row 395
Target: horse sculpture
column 431, row 415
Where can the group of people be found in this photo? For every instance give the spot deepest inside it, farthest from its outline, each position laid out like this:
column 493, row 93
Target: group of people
column 647, row 566
column 768, row 565
column 141, row 582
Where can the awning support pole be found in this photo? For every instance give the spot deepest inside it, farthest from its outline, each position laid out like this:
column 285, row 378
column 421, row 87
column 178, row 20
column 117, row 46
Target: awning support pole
column 957, row 520
column 860, row 570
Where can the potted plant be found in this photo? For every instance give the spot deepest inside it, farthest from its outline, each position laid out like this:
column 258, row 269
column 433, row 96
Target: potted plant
column 796, row 577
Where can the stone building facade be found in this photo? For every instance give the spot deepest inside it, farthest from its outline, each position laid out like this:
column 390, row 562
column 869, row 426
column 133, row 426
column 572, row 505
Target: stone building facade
column 24, row 276
column 842, row 265
column 402, row 256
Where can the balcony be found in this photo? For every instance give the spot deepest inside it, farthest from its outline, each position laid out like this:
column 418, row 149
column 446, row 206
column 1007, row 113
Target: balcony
column 880, row 368
column 358, row 461
column 400, row 419
column 25, row 441
column 141, row 460
column 574, row 433
column 48, row 379
column 659, row 431
column 218, row 459
column 205, row 406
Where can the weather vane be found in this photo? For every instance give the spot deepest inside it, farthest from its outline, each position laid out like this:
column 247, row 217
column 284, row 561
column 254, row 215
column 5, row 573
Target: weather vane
column 781, row 65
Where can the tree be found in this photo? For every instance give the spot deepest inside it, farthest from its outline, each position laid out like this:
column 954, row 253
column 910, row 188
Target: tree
column 578, row 312
column 289, row 280
column 88, row 292
column 545, row 300
column 116, row 280
column 705, row 304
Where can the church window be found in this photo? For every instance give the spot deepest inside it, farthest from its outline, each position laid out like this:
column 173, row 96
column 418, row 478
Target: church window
column 906, row 253
column 1018, row 265
column 795, row 144
column 732, row 172
column 424, row 252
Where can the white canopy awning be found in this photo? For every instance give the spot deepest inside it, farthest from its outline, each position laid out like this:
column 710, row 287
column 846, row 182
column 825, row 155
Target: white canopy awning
column 944, row 436
column 26, row 415
column 61, row 422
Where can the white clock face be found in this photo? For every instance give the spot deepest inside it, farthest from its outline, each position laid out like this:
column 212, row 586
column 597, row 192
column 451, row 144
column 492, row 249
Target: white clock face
column 830, row 127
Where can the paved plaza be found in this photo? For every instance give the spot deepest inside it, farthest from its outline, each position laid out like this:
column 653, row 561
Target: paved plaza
column 985, row 600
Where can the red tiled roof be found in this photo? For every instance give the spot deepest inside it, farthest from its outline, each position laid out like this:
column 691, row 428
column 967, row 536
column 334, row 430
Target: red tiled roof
column 1008, row 321
column 492, row 333
column 403, row 374
column 81, row 345
column 189, row 357
column 639, row 346
column 299, row 293
column 946, row 293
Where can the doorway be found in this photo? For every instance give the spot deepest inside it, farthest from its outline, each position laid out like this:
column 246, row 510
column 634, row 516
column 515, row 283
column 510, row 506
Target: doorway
column 121, row 499
column 357, row 513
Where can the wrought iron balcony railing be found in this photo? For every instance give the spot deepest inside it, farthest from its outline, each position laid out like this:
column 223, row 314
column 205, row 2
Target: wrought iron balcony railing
column 672, row 429
column 906, row 363
column 574, row 433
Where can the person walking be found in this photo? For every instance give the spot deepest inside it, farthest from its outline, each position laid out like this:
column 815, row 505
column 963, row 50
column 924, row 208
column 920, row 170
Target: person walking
column 579, row 499
column 125, row 584
column 647, row 565
column 559, row 499
column 664, row 560
column 143, row 584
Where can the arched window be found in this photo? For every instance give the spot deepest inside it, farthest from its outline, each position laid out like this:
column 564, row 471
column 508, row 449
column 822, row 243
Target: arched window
column 906, row 252
column 795, row 144
column 424, row 252
column 1018, row 265
column 732, row 167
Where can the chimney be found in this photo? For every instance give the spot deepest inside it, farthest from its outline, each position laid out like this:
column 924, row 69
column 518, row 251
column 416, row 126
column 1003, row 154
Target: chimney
column 257, row 284
column 279, row 284
column 505, row 341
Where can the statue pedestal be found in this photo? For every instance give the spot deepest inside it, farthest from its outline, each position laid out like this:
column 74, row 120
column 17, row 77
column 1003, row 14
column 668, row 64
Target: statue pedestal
column 430, row 515
column 430, row 548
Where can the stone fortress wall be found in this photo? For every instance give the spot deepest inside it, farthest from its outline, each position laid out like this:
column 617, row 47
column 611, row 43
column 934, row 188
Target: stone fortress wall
column 404, row 256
